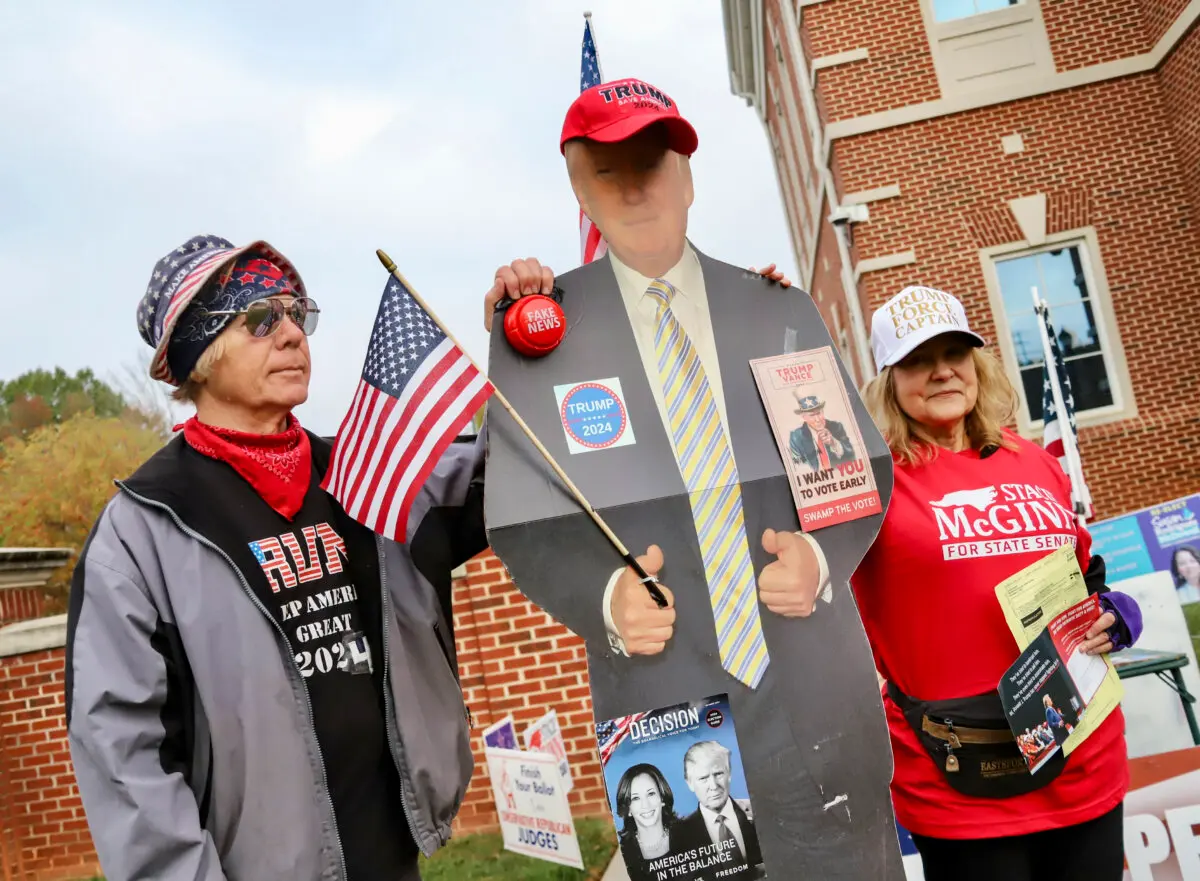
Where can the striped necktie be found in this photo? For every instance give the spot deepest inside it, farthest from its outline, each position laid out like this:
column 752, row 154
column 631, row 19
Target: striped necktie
column 706, row 460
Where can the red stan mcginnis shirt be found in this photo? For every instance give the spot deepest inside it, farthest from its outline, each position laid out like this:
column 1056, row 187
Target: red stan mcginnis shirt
column 956, row 527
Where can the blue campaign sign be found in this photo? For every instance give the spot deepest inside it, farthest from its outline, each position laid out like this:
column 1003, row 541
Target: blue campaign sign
column 907, row 848
column 1123, row 546
column 1162, row 538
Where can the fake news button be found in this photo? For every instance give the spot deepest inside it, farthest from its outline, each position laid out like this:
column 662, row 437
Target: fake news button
column 594, row 415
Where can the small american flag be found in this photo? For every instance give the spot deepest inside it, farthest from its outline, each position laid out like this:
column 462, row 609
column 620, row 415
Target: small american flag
column 417, row 390
column 610, row 734
column 1053, row 428
column 591, row 243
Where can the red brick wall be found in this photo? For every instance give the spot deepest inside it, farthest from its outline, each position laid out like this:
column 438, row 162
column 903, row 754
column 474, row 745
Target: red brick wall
column 1160, row 15
column 44, row 831
column 515, row 659
column 777, row 123
column 1087, row 32
column 898, row 71
column 1180, row 77
column 20, row 604
column 1109, row 156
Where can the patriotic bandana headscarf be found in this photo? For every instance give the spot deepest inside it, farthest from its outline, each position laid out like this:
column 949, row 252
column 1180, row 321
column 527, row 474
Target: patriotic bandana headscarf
column 205, row 273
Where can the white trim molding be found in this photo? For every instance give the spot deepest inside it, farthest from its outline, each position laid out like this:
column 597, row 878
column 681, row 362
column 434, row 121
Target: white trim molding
column 744, row 48
column 1030, row 214
column 862, row 197
column 851, row 55
column 1063, row 79
column 30, row 567
column 38, row 635
column 887, row 261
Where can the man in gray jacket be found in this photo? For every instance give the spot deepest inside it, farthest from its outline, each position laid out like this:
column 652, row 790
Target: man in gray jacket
column 258, row 687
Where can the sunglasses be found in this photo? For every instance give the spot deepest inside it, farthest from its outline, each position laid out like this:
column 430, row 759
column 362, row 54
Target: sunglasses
column 264, row 316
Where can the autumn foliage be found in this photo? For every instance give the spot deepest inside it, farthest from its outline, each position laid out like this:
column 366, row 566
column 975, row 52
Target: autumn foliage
column 55, row 482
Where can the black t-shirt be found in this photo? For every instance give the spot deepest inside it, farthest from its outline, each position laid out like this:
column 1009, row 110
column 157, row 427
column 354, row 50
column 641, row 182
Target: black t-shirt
column 319, row 577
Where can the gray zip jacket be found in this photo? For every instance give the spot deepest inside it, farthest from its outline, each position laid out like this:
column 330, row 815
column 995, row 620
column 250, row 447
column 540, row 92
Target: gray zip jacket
column 189, row 724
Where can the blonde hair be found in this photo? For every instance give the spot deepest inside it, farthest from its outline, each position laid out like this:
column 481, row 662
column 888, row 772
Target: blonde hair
column 995, row 407
column 190, row 390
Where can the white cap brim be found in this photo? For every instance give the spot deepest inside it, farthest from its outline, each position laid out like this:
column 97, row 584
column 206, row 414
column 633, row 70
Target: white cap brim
column 915, row 339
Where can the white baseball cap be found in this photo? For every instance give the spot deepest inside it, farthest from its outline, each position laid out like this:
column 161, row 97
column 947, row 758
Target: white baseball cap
column 915, row 315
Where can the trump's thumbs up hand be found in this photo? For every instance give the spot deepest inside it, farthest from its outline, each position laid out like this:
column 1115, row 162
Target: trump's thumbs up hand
column 644, row 627
column 788, row 586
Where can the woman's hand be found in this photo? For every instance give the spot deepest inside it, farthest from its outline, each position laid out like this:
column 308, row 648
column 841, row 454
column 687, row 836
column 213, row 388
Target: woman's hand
column 1097, row 641
column 775, row 275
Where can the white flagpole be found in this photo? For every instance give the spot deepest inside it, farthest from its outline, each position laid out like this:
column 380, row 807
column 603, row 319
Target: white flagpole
column 1074, row 466
column 595, row 45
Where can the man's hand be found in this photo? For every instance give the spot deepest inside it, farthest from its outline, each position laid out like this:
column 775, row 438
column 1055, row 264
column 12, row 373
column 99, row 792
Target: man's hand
column 644, row 627
column 1097, row 641
column 830, row 441
column 773, row 274
column 789, row 585
column 519, row 278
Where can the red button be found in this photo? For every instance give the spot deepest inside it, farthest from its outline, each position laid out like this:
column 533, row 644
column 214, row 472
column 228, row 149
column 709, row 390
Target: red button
column 535, row 325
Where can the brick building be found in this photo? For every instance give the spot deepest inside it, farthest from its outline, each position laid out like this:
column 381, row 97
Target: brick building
column 988, row 146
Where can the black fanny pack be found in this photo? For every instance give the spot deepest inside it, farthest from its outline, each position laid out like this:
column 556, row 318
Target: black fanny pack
column 970, row 742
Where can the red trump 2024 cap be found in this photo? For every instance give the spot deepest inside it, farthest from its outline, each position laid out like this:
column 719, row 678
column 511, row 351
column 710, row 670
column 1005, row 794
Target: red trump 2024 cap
column 618, row 110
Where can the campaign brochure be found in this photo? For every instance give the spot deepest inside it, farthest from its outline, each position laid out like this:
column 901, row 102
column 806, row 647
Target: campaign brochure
column 1050, row 594
column 823, row 451
column 1046, row 691
column 678, row 793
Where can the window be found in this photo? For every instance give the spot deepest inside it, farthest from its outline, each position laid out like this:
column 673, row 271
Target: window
column 948, row 10
column 983, row 45
column 1063, row 279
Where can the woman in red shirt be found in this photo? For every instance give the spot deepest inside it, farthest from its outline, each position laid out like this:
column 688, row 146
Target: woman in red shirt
column 974, row 503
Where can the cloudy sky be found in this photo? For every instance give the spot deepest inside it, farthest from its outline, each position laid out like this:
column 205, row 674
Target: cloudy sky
column 329, row 130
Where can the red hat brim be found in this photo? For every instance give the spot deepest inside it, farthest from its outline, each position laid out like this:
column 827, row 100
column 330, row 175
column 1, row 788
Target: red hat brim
column 682, row 137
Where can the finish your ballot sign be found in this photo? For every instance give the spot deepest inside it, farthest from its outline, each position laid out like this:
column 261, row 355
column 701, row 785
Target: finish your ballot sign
column 535, row 818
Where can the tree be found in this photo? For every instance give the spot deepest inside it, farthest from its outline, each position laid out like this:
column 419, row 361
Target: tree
column 148, row 397
column 39, row 397
column 43, row 397
column 55, row 482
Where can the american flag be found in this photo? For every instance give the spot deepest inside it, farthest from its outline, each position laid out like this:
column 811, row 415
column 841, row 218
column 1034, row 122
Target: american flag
column 591, row 243
column 610, row 734
column 417, row 390
column 1053, row 430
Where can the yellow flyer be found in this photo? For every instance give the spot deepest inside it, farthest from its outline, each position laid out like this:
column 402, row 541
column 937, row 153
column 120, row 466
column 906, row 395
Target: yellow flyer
column 1035, row 598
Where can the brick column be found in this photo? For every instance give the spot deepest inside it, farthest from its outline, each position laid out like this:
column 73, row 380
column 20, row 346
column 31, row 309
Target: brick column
column 43, row 831
column 515, row 659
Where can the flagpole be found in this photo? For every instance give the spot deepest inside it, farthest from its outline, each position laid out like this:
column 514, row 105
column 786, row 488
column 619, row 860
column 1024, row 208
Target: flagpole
column 1074, row 466
column 649, row 580
column 587, row 16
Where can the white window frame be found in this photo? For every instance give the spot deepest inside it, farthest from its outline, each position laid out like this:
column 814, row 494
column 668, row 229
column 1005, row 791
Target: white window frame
column 1026, row 15
column 950, row 21
column 1123, row 405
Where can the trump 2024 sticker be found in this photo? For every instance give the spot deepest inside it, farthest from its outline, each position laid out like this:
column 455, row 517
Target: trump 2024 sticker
column 593, row 414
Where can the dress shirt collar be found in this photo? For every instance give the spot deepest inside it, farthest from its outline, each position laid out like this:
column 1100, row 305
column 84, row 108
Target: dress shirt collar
column 710, row 816
column 685, row 276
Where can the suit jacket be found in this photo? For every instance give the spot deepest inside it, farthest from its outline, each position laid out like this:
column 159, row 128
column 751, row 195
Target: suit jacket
column 804, row 447
column 814, row 728
column 692, row 832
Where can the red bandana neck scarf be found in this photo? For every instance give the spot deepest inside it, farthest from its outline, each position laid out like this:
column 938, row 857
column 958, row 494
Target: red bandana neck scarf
column 277, row 466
